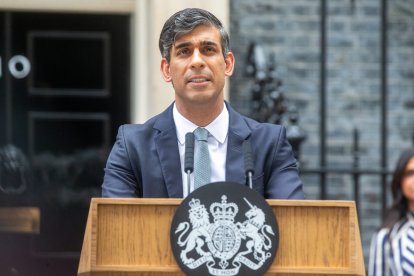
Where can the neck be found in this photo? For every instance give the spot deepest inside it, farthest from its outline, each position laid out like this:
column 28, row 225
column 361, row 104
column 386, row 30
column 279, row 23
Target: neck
column 201, row 115
column 411, row 206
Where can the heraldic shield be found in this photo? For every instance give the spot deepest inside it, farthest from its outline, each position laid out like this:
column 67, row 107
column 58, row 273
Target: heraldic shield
column 224, row 228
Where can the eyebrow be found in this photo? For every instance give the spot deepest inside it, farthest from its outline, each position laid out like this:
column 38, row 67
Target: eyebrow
column 203, row 43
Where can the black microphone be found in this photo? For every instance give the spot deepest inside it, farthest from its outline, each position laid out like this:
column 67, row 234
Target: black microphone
column 248, row 162
column 189, row 157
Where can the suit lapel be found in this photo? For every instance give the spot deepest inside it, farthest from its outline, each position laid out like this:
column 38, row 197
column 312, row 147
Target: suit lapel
column 238, row 132
column 167, row 148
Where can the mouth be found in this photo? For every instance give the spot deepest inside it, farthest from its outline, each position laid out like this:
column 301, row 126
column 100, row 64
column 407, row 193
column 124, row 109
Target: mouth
column 198, row 79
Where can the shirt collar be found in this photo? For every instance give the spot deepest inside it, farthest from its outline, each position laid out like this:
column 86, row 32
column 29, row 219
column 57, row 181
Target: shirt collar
column 217, row 128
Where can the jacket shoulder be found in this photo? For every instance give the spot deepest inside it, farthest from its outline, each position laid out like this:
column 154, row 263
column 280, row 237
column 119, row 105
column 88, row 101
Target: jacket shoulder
column 155, row 124
column 256, row 126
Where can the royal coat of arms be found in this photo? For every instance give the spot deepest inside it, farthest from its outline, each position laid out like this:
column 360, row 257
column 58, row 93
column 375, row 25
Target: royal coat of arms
column 212, row 237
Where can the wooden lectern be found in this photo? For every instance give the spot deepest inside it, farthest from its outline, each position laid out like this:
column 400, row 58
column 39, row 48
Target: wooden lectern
column 126, row 237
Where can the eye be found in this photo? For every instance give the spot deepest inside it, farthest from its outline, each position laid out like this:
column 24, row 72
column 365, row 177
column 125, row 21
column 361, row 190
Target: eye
column 209, row 49
column 409, row 173
column 183, row 51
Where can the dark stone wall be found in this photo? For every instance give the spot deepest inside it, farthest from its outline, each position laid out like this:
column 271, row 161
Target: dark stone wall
column 291, row 31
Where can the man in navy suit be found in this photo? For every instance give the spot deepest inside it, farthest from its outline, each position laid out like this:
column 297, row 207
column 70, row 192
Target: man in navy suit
column 147, row 159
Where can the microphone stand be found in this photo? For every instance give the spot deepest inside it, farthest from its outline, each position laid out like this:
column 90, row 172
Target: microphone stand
column 248, row 162
column 250, row 179
column 189, row 158
column 189, row 181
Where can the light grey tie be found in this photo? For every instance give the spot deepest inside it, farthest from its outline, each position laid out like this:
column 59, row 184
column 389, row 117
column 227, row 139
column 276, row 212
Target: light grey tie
column 201, row 158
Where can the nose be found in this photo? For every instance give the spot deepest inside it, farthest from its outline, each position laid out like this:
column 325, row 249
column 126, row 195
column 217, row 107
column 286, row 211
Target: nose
column 197, row 60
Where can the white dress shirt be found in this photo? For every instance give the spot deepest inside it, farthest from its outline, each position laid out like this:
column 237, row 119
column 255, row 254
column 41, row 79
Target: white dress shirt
column 217, row 145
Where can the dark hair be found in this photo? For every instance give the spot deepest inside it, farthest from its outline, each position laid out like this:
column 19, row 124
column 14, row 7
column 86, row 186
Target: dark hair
column 399, row 206
column 185, row 21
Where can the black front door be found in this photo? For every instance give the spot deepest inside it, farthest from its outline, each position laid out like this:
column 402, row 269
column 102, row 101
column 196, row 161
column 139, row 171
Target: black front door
column 64, row 88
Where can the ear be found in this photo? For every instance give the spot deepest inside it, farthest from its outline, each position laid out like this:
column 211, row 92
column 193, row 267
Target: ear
column 230, row 61
column 165, row 70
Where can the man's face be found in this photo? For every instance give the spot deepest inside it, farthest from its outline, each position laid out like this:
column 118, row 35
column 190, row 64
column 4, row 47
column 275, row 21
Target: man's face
column 197, row 68
column 407, row 184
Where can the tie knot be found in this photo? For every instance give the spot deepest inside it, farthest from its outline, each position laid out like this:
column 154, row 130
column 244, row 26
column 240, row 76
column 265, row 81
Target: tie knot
column 201, row 134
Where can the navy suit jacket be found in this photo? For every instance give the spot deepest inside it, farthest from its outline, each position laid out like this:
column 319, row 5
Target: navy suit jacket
column 145, row 162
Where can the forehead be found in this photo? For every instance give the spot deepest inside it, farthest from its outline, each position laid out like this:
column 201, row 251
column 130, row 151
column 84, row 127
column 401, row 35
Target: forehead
column 410, row 164
column 199, row 34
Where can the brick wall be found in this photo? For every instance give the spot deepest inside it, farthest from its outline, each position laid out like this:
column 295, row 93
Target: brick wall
column 291, row 31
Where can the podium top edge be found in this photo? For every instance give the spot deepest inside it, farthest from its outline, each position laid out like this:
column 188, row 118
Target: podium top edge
column 141, row 201
column 271, row 202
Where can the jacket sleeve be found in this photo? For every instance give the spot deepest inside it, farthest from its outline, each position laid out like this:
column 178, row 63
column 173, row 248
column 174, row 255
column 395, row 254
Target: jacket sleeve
column 119, row 179
column 283, row 181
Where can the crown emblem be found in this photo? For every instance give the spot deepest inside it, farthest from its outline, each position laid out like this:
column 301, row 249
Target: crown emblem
column 195, row 206
column 224, row 211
